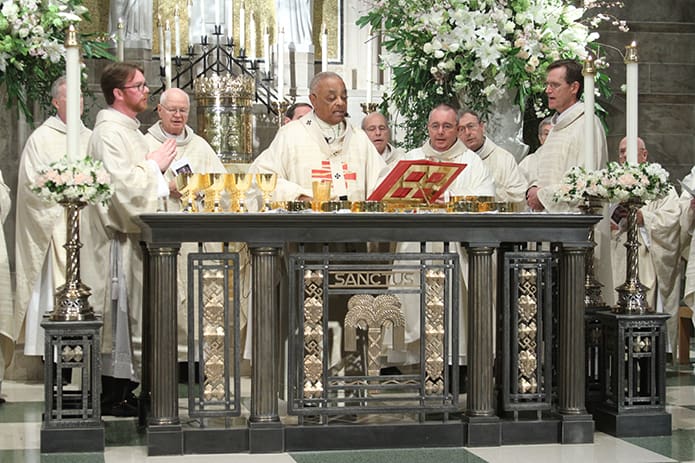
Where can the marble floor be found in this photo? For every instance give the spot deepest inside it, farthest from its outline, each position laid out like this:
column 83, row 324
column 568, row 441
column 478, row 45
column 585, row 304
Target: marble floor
column 20, row 424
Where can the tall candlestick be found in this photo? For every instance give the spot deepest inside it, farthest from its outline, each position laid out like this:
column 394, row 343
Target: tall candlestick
column 242, row 32
column 160, row 29
column 120, row 45
column 189, row 11
column 266, row 50
column 203, row 29
column 230, row 21
column 324, row 48
column 72, row 89
column 217, row 12
column 167, row 55
column 369, row 66
column 631, row 109
column 589, row 71
column 252, row 38
column 177, row 31
column 281, row 64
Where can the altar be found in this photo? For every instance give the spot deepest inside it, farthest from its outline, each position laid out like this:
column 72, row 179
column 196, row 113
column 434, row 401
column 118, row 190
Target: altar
column 529, row 394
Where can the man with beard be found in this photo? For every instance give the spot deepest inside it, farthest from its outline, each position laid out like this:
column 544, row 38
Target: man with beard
column 113, row 268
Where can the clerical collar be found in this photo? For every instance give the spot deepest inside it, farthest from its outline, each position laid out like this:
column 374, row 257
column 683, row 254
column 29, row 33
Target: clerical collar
column 479, row 151
column 179, row 138
column 330, row 132
column 455, row 150
column 557, row 117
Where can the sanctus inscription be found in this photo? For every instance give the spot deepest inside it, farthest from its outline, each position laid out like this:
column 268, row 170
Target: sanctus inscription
column 374, row 279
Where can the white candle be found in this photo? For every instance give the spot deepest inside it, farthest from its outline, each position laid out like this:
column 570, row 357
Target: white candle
column 72, row 89
column 203, row 30
column 266, row 50
column 324, row 48
column 167, row 55
column 177, row 31
column 242, row 32
column 589, row 155
column 230, row 20
column 281, row 64
column 631, row 101
column 120, row 45
column 160, row 29
column 189, row 11
column 217, row 12
column 369, row 67
column 252, row 37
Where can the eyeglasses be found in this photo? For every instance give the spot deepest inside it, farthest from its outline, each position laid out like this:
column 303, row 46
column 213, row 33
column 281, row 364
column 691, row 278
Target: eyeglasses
column 182, row 111
column 374, row 128
column 554, row 85
column 140, row 87
column 469, row 127
column 445, row 127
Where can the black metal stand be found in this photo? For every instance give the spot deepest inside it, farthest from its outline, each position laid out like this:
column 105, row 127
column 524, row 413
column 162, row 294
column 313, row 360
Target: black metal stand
column 633, row 372
column 72, row 418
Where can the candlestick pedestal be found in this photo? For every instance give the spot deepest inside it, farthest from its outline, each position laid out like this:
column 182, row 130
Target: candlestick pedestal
column 632, row 298
column 71, row 299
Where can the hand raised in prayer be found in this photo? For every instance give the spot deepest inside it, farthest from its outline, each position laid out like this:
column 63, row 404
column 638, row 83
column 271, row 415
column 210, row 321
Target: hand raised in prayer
column 164, row 155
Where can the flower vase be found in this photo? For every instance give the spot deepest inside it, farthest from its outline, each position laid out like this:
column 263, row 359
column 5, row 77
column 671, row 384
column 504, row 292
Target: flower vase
column 632, row 295
column 71, row 299
column 592, row 299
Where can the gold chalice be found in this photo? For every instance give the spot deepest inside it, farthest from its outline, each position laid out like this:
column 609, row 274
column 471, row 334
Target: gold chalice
column 199, row 183
column 214, row 193
column 243, row 184
column 266, row 182
column 182, row 185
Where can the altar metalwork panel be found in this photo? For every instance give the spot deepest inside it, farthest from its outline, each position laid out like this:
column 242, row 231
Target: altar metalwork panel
column 364, row 297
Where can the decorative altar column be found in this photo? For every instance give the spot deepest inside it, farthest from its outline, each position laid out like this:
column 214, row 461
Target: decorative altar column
column 577, row 425
column 265, row 429
column 483, row 425
column 164, row 426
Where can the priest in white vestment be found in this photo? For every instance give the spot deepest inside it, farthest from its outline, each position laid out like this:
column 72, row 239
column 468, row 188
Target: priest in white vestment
column 510, row 183
column 377, row 129
column 443, row 145
column 322, row 145
column 563, row 149
column 687, row 223
column 193, row 151
column 659, row 250
column 7, row 338
column 528, row 164
column 112, row 262
column 40, row 226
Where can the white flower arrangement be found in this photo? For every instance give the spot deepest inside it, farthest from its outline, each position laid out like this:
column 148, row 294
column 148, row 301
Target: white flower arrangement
column 84, row 180
column 617, row 183
column 477, row 51
column 643, row 182
column 578, row 184
column 32, row 53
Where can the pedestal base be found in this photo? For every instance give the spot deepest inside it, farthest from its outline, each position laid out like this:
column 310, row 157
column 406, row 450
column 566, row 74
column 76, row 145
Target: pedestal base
column 645, row 423
column 576, row 429
column 482, row 431
column 164, row 440
column 72, row 440
column 266, row 437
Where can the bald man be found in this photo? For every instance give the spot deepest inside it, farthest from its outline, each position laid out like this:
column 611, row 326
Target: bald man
column 659, row 231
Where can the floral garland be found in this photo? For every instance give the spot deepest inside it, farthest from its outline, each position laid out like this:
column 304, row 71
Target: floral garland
column 617, row 182
column 32, row 54
column 84, row 180
column 475, row 51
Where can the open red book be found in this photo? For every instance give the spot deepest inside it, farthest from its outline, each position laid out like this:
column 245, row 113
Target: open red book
column 420, row 180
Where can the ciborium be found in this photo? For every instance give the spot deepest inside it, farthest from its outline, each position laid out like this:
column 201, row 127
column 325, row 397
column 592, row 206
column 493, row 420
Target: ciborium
column 198, row 184
column 187, row 197
column 213, row 194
